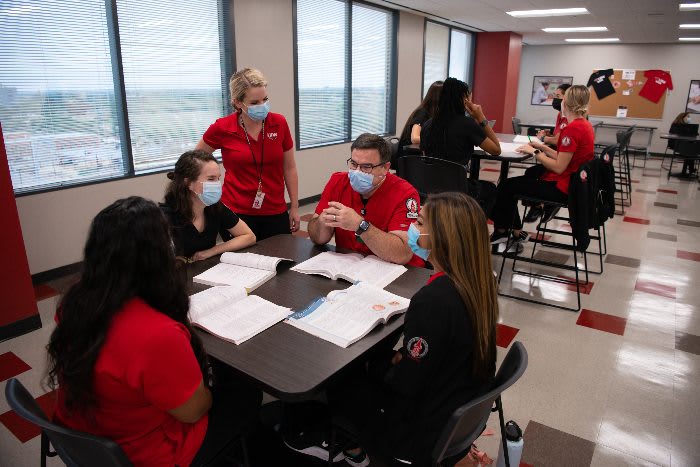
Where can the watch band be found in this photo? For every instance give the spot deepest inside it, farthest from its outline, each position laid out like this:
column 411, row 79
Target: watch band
column 484, row 122
column 362, row 228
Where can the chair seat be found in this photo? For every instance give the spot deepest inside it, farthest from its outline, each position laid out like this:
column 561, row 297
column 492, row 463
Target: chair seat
column 534, row 200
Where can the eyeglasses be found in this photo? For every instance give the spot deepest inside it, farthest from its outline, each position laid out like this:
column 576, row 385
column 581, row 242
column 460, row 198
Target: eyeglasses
column 366, row 168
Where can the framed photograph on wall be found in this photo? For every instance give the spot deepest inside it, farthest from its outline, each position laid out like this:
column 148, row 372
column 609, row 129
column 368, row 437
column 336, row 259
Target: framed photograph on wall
column 543, row 88
column 693, row 102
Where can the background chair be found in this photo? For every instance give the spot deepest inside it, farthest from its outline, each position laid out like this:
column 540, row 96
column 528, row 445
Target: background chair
column 688, row 151
column 433, row 175
column 394, row 150
column 517, row 129
column 73, row 447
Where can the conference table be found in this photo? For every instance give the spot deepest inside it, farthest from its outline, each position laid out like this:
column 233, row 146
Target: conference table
column 284, row 361
column 505, row 158
column 674, row 137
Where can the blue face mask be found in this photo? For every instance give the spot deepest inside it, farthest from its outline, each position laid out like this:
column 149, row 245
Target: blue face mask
column 258, row 112
column 413, row 236
column 360, row 181
column 211, row 193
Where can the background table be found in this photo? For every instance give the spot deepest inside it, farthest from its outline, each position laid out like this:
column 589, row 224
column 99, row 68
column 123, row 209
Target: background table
column 673, row 137
column 287, row 362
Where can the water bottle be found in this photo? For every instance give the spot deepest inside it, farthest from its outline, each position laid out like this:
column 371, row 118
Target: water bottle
column 514, row 441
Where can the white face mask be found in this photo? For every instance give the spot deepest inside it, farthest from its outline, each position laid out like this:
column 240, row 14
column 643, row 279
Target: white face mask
column 687, row 119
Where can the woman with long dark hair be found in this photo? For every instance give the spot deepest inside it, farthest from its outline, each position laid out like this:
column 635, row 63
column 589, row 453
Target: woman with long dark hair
column 452, row 134
column 124, row 358
column 402, row 401
column 424, row 112
column 195, row 212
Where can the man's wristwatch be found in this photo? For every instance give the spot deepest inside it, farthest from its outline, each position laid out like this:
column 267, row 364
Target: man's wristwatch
column 484, row 122
column 364, row 225
column 537, row 151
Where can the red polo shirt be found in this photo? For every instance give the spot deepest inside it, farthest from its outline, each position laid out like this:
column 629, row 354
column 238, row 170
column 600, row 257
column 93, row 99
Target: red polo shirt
column 241, row 178
column 146, row 367
column 394, row 206
column 561, row 123
column 576, row 137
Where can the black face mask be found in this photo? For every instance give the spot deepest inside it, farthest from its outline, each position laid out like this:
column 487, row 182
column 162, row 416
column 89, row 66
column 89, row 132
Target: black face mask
column 556, row 103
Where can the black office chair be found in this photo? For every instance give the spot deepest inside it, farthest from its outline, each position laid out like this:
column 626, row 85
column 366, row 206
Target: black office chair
column 468, row 422
column 517, row 129
column 73, row 447
column 393, row 142
column 433, row 175
column 688, row 151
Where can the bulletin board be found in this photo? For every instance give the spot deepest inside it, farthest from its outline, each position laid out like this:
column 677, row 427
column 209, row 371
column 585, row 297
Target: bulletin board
column 627, row 94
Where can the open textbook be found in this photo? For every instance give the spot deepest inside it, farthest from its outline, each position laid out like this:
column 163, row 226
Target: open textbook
column 352, row 267
column 233, row 315
column 346, row 316
column 248, row 270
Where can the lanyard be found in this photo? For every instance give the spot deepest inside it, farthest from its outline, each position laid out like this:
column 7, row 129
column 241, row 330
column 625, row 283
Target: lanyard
column 262, row 153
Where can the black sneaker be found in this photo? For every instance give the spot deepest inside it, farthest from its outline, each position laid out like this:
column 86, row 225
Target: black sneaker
column 533, row 215
column 312, row 444
column 549, row 213
column 515, row 247
column 360, row 460
column 498, row 237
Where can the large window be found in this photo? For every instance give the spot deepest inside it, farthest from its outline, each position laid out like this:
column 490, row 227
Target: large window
column 448, row 53
column 93, row 90
column 345, row 71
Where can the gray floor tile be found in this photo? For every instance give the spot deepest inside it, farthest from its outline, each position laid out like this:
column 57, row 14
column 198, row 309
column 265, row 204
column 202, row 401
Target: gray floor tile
column 622, row 261
column 548, row 447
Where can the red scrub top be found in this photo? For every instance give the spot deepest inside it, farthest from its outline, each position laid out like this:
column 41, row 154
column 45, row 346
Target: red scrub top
column 146, row 367
column 394, row 206
column 577, row 137
column 241, row 178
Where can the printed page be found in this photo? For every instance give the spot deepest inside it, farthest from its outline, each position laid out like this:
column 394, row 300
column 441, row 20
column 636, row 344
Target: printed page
column 521, row 139
column 244, row 319
column 210, row 300
column 252, row 260
column 232, row 274
column 508, row 149
column 329, row 262
column 378, row 272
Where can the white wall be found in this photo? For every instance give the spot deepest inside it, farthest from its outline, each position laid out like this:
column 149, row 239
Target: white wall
column 55, row 224
column 579, row 61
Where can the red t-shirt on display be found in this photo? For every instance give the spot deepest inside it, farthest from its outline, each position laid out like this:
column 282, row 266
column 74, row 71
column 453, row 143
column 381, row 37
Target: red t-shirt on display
column 577, row 137
column 146, row 367
column 241, row 178
column 657, row 83
column 394, row 206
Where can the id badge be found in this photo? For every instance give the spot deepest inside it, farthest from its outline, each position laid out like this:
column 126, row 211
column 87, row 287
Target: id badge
column 258, row 201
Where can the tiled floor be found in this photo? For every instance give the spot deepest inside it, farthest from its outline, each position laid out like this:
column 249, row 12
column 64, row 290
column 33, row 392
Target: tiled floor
column 615, row 384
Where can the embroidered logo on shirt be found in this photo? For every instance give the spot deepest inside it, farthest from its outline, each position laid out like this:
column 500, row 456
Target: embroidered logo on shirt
column 565, row 141
column 412, row 206
column 660, row 81
column 417, row 348
column 606, row 158
column 562, row 125
column 599, row 79
column 584, row 175
column 272, row 136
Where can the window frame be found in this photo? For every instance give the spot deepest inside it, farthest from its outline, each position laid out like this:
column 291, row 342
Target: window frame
column 227, row 56
column 450, row 28
column 347, row 119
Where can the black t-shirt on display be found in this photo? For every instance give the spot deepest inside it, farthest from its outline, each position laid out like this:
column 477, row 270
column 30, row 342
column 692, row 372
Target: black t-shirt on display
column 455, row 141
column 600, row 80
column 188, row 240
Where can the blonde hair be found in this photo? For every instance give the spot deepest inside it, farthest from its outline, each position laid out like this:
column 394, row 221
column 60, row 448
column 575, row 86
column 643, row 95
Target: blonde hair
column 459, row 242
column 242, row 80
column 576, row 99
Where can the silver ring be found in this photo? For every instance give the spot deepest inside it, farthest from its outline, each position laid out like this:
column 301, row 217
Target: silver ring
column 334, row 218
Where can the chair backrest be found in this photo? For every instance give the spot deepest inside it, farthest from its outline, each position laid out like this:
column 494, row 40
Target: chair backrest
column 468, row 421
column 433, row 175
column 517, row 129
column 393, row 142
column 73, row 447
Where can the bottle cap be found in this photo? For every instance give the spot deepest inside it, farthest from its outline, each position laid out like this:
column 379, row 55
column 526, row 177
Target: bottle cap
column 513, row 431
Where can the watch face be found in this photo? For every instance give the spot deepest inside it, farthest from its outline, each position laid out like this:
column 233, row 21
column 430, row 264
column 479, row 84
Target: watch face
column 364, row 225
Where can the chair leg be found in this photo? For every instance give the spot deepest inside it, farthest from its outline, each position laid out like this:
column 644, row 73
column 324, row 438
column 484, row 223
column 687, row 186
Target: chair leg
column 44, row 448
column 244, row 451
column 504, row 441
column 578, row 288
column 331, row 446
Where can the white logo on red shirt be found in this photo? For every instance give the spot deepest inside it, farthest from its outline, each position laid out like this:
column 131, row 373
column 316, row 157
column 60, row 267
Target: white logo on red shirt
column 412, row 206
column 660, row 81
column 272, row 136
column 565, row 141
column 562, row 125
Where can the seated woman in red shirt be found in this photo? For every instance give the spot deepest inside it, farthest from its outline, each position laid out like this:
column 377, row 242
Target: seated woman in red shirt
column 575, row 147
column 124, row 357
column 195, row 212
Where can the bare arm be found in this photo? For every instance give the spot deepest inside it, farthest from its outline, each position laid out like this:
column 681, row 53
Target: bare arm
column 490, row 144
column 291, row 181
column 202, row 146
column 242, row 237
column 557, row 165
column 195, row 407
column 415, row 134
column 319, row 233
column 551, row 153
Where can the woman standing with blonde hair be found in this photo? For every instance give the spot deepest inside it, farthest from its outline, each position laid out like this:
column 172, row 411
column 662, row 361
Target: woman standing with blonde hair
column 258, row 154
column 575, row 148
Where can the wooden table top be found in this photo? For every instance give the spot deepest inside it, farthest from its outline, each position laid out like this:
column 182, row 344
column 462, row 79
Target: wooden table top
column 284, row 361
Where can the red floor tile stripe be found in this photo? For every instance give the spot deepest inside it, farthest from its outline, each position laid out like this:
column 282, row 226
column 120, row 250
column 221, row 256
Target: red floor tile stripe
column 655, row 288
column 43, row 291
column 11, row 365
column 306, row 217
column 634, row 181
column 22, row 429
column 688, row 255
column 491, row 170
column 602, row 322
column 301, row 233
column 664, row 190
column 540, row 236
column 584, row 288
column 505, row 335
column 635, row 220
